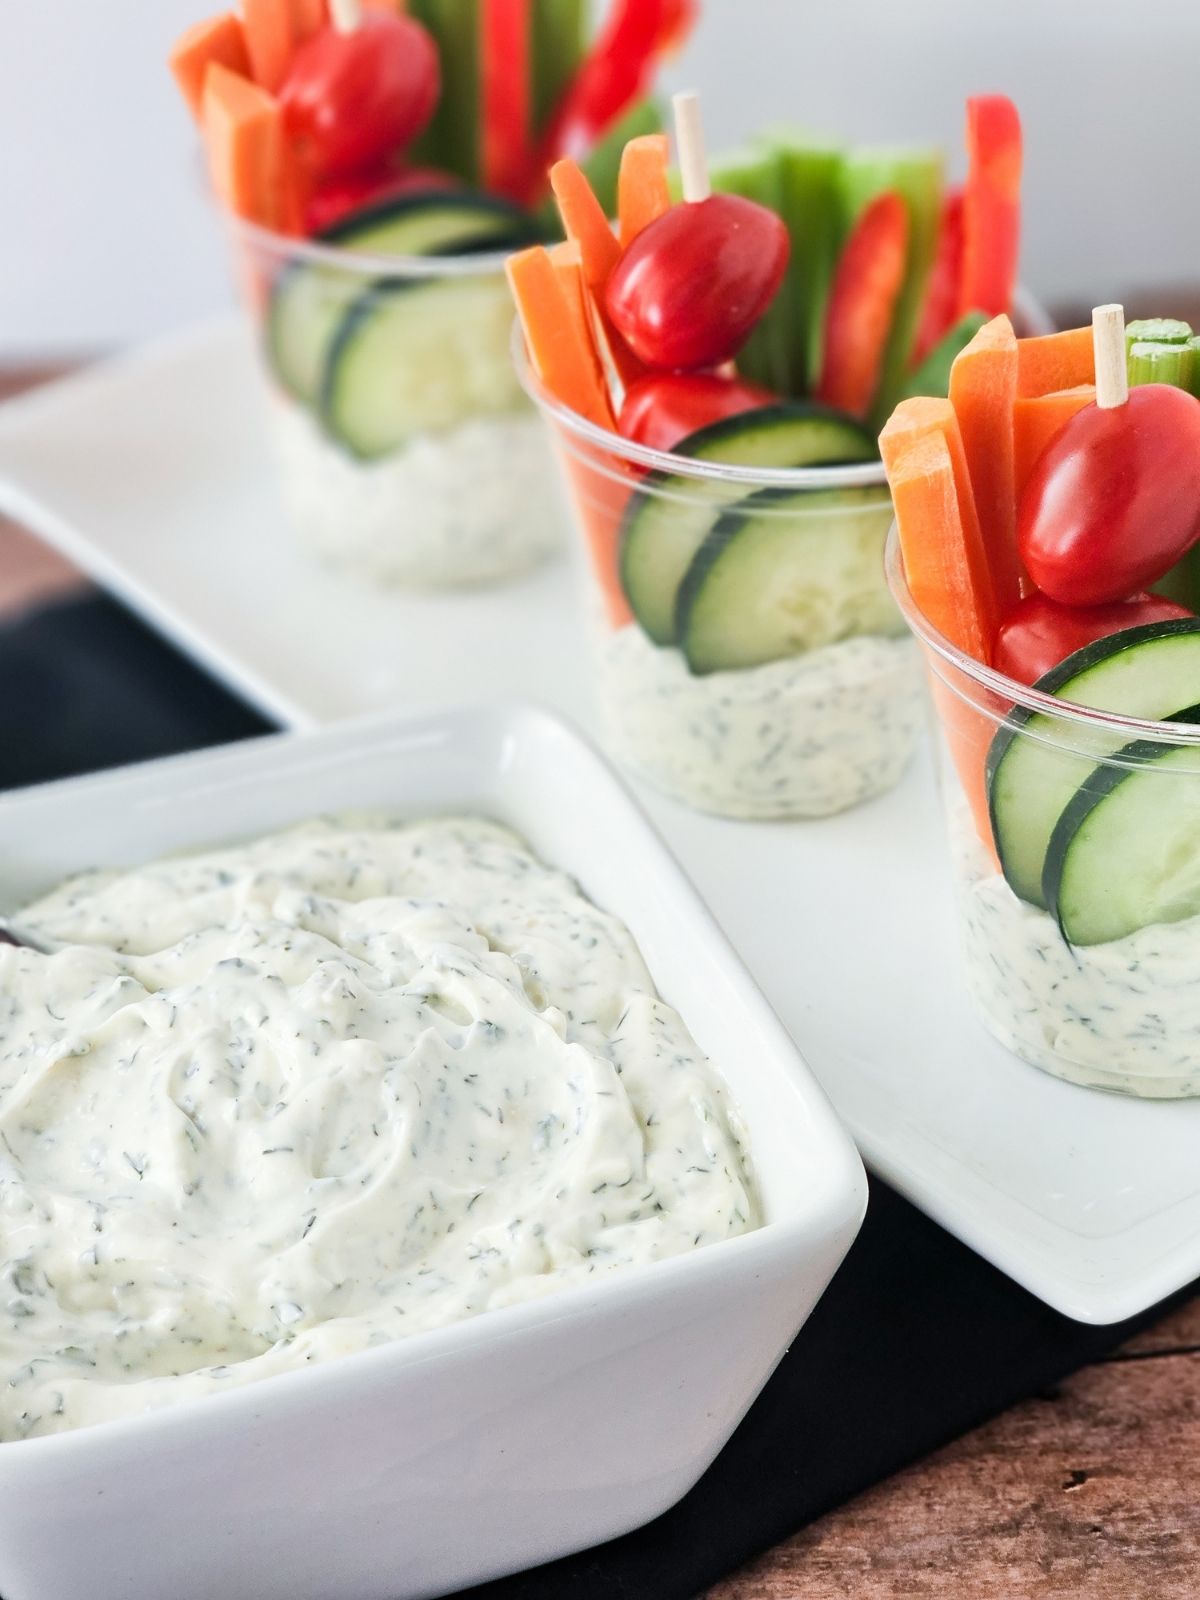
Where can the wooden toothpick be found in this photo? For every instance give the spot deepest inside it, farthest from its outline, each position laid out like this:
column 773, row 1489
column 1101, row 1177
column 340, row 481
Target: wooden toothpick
column 346, row 15
column 689, row 143
column 1108, row 344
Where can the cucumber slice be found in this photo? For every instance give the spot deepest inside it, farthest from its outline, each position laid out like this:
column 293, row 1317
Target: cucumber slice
column 418, row 357
column 786, row 571
column 1144, row 672
column 1126, row 851
column 670, row 516
column 308, row 302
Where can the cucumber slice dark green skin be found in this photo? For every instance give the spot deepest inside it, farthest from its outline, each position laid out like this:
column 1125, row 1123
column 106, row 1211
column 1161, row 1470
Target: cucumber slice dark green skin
column 670, row 516
column 417, row 355
column 308, row 302
column 1146, row 672
column 786, row 571
column 1104, row 876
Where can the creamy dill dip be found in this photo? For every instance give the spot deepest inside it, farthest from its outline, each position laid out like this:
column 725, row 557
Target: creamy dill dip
column 474, row 503
column 1123, row 1015
column 277, row 1103
column 803, row 737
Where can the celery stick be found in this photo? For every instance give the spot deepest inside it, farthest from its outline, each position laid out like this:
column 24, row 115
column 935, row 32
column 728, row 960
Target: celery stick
column 1156, row 330
column 1161, row 363
column 916, row 174
column 810, row 173
column 756, row 173
column 451, row 140
column 932, row 377
column 1182, row 583
column 1194, row 347
column 559, row 43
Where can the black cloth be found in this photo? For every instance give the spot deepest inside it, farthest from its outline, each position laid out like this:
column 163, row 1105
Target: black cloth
column 917, row 1340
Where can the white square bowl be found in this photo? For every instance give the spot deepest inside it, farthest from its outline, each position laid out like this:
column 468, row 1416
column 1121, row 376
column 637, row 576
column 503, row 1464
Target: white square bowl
column 493, row 1444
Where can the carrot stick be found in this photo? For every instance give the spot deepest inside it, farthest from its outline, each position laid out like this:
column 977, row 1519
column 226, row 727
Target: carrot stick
column 1055, row 361
column 219, row 39
column 247, row 153
column 568, row 267
column 983, row 387
column 563, row 358
column 939, row 537
column 1036, row 420
column 642, row 190
column 944, row 556
column 584, row 221
column 275, row 30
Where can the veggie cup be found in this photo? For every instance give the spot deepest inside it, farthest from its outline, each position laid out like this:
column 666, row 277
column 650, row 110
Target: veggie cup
column 1073, row 837
column 408, row 453
column 749, row 659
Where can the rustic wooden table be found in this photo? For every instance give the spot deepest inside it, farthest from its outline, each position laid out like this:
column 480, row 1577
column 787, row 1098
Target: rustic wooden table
column 1091, row 1492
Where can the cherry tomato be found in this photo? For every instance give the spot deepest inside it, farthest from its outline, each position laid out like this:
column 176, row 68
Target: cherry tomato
column 691, row 286
column 664, row 407
column 1114, row 499
column 1038, row 633
column 352, row 99
column 338, row 198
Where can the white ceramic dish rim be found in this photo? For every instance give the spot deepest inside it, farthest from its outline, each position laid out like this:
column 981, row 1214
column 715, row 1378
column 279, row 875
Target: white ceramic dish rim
column 833, row 1207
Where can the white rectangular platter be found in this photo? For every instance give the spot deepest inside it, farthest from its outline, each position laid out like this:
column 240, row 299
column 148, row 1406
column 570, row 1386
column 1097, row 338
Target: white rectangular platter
column 152, row 472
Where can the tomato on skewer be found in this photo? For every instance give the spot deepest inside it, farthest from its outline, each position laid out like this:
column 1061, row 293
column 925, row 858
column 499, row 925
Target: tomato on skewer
column 351, row 99
column 691, row 286
column 1113, row 502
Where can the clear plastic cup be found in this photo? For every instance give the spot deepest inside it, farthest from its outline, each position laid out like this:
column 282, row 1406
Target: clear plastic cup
column 1083, row 954
column 797, row 695
column 408, row 453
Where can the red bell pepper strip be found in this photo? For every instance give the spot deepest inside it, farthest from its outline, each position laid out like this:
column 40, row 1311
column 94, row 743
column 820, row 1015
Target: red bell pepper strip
column 506, row 66
column 991, row 206
column 862, row 299
column 939, row 313
column 616, row 71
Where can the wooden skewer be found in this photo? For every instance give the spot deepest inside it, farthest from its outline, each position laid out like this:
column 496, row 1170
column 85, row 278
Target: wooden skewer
column 346, row 15
column 1108, row 345
column 689, row 143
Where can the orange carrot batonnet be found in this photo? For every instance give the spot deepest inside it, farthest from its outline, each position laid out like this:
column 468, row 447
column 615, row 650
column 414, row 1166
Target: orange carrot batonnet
column 943, row 562
column 247, row 151
column 599, row 494
column 562, row 354
column 219, row 40
column 275, row 30
column 1055, row 361
column 586, row 225
column 643, row 193
column 944, row 553
column 983, row 389
column 1036, row 420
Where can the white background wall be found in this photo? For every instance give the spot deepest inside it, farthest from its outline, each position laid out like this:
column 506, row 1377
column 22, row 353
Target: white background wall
column 105, row 235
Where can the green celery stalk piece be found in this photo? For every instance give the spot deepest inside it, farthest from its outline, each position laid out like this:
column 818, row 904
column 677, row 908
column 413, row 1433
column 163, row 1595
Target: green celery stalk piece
column 451, row 140
column 559, row 45
column 1194, row 346
column 1156, row 330
column 1182, row 583
column 810, row 172
column 602, row 164
column 915, row 172
column 756, row 173
column 1161, row 363
column 932, row 377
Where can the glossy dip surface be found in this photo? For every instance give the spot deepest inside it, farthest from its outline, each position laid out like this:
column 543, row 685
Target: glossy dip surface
column 281, row 1102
